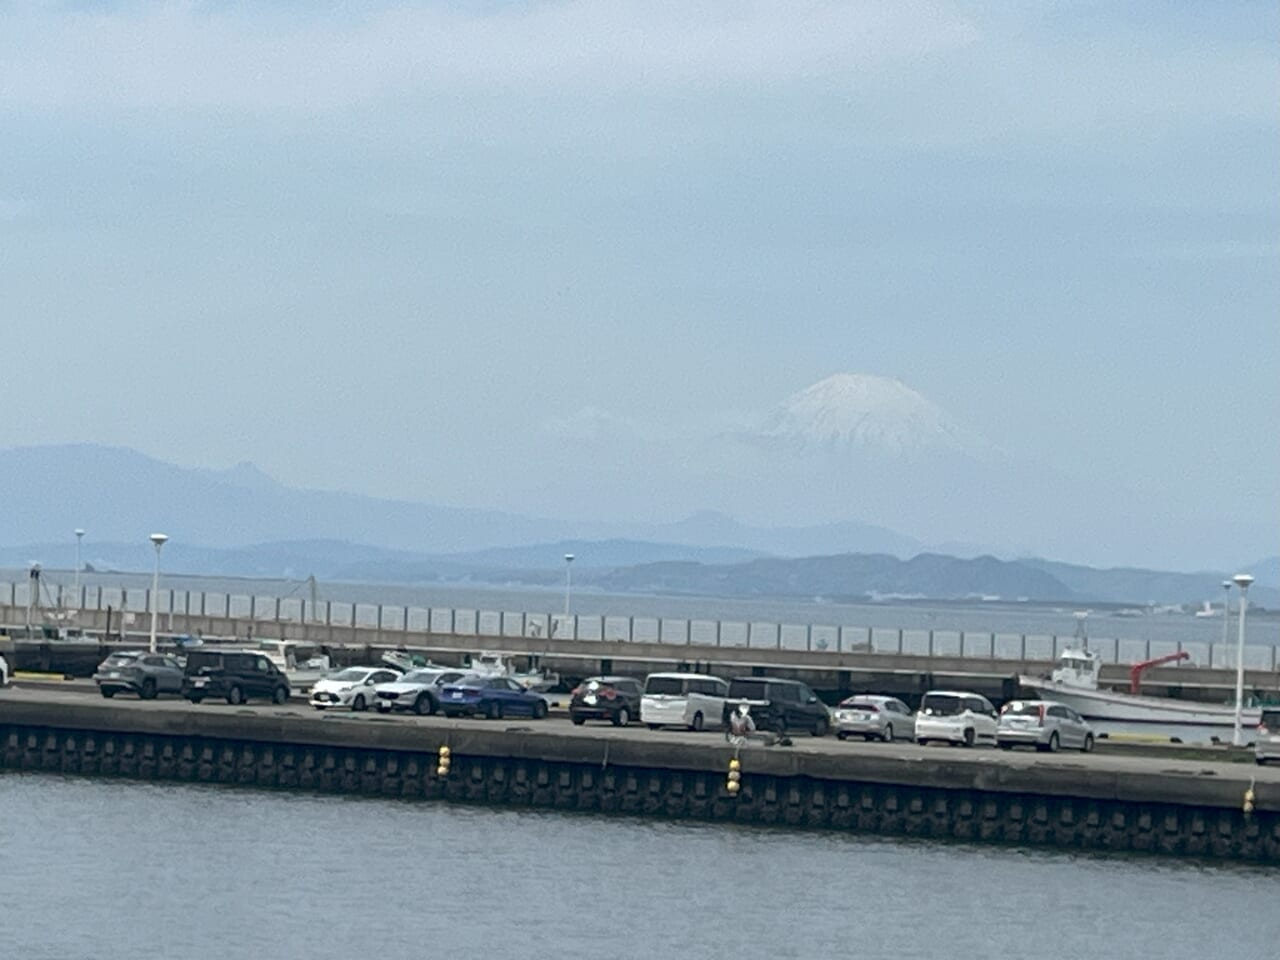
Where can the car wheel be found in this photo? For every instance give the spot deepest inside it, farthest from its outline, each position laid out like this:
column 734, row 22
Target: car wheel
column 654, row 726
column 195, row 699
column 540, row 709
column 235, row 696
column 579, row 721
column 1088, row 743
column 842, row 735
column 1005, row 746
column 319, row 706
column 923, row 741
column 622, row 717
column 699, row 722
column 108, row 693
column 820, row 727
column 148, row 691
column 279, row 696
column 968, row 736
column 422, row 706
column 1260, row 761
column 887, row 736
column 1051, row 746
column 359, row 704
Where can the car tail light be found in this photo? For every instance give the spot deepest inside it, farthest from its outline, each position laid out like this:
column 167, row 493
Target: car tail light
column 1042, row 713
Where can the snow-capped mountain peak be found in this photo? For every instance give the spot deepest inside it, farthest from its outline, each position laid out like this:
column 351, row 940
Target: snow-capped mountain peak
column 864, row 410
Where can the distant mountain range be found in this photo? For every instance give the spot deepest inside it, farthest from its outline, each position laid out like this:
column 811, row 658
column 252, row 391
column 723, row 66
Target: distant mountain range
column 241, row 522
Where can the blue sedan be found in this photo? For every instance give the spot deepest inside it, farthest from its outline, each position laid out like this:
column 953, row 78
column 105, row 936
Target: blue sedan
column 492, row 697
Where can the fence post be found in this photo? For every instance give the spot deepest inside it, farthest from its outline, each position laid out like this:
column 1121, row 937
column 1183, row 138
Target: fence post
column 718, row 633
column 900, row 643
column 778, row 635
column 839, row 639
column 808, row 636
column 631, row 629
column 1023, row 657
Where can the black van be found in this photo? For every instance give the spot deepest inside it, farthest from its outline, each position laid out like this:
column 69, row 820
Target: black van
column 779, row 705
column 237, row 676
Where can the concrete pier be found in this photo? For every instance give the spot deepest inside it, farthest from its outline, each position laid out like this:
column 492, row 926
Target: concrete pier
column 1157, row 805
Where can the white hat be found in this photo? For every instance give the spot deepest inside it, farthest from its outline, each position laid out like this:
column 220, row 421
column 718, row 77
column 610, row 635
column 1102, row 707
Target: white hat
column 743, row 709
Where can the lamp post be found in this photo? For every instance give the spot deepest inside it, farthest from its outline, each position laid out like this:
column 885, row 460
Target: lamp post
column 568, row 582
column 1226, row 611
column 79, row 539
column 1241, row 580
column 159, row 540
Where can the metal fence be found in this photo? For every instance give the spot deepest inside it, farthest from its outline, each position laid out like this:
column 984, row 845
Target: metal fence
column 492, row 625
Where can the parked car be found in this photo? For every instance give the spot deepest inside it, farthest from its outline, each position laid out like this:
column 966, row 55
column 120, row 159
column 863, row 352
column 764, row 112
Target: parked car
column 1044, row 725
column 692, row 700
column 874, row 717
column 779, row 705
column 237, row 675
column 146, row 674
column 956, row 717
column 4, row 672
column 616, row 699
column 492, row 697
column 418, row 690
column 352, row 687
column 1267, row 746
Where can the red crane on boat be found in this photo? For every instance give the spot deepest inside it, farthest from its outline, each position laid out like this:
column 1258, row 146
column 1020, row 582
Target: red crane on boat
column 1136, row 671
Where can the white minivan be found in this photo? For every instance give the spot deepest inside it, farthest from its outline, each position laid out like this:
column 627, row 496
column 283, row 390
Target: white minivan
column 692, row 700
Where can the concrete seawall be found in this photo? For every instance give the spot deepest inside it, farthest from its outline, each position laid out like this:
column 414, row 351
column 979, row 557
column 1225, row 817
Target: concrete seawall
column 1091, row 803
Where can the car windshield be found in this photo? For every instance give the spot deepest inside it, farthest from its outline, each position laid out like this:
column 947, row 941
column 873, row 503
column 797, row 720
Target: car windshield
column 351, row 673
column 860, row 705
column 941, row 705
column 1022, row 708
column 665, row 686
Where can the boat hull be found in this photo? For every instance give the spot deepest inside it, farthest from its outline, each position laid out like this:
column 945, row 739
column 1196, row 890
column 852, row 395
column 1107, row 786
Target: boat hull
column 1127, row 707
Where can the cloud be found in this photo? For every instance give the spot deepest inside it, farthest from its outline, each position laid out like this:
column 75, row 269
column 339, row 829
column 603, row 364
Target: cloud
column 194, row 56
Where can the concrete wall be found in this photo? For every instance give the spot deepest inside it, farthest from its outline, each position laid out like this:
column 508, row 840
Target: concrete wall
column 1064, row 805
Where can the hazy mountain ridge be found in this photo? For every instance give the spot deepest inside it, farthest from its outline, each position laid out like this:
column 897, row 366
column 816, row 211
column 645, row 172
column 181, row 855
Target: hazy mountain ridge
column 120, row 496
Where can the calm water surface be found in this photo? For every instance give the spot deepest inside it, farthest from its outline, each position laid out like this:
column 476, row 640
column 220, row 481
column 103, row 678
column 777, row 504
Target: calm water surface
column 107, row 869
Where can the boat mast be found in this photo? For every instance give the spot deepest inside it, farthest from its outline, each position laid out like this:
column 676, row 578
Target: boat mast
column 1081, row 634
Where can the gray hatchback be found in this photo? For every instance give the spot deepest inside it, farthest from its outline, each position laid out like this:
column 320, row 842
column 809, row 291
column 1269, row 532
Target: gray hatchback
column 1044, row 725
column 146, row 674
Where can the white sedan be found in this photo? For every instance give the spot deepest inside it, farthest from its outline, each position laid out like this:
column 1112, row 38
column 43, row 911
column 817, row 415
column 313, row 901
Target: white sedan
column 874, row 717
column 351, row 687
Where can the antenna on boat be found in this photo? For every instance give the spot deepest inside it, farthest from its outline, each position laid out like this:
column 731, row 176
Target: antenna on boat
column 1081, row 633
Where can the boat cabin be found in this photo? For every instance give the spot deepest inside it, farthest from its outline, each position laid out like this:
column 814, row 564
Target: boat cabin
column 1077, row 668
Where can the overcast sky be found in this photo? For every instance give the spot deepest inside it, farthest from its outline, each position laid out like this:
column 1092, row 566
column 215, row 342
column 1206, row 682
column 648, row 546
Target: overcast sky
column 418, row 250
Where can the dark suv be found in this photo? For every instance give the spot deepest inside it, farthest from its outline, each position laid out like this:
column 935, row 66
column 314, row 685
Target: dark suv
column 616, row 699
column 779, row 705
column 236, row 676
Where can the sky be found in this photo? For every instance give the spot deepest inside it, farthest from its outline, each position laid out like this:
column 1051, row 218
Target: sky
column 435, row 251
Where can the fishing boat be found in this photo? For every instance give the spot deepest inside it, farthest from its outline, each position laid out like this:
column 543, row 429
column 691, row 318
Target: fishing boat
column 1074, row 682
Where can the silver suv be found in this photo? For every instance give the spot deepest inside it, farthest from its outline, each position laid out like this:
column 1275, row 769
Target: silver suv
column 1044, row 725
column 146, row 674
column 1267, row 746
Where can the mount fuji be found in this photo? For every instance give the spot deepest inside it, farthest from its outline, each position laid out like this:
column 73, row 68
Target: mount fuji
column 850, row 411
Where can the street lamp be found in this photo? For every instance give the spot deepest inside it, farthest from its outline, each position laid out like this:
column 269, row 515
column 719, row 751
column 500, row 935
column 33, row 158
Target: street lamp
column 568, row 582
column 1241, row 580
column 159, row 540
column 79, row 538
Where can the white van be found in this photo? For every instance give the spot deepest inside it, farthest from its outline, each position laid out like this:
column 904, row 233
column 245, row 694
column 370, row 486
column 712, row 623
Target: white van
column 693, row 700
